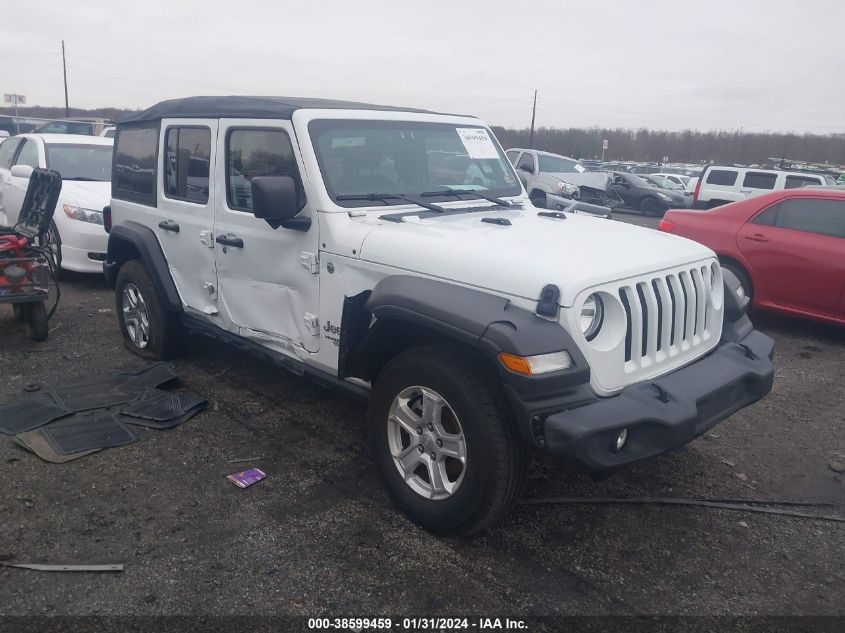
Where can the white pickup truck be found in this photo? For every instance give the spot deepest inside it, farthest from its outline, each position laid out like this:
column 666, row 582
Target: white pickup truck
column 393, row 253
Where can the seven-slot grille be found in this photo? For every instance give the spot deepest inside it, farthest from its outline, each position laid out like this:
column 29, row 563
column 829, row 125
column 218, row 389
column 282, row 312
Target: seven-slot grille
column 668, row 314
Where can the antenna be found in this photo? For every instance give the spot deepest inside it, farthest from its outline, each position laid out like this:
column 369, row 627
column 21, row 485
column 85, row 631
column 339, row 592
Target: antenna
column 533, row 115
column 64, row 71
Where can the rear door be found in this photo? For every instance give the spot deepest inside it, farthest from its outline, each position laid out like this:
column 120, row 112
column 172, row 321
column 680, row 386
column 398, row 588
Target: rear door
column 721, row 184
column 796, row 249
column 186, row 208
column 268, row 277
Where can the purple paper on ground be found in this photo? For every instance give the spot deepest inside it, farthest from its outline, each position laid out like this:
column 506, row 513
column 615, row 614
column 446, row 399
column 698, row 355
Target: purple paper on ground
column 246, row 477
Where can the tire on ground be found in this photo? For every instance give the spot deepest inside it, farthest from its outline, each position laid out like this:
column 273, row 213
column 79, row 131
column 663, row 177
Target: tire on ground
column 740, row 273
column 162, row 325
column 39, row 326
column 496, row 461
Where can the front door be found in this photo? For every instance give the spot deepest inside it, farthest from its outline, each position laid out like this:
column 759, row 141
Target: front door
column 185, row 221
column 29, row 155
column 797, row 252
column 268, row 277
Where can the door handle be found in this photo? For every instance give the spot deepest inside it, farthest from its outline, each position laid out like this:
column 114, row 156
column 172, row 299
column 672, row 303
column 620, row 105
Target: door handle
column 169, row 225
column 757, row 237
column 230, row 239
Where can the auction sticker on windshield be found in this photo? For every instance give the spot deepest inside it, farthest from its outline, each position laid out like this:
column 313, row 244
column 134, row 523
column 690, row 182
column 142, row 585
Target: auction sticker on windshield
column 477, row 142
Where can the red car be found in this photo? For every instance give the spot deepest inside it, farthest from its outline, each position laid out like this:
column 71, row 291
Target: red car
column 786, row 247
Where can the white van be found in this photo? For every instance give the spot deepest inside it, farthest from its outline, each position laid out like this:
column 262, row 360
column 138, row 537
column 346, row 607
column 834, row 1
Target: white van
column 719, row 185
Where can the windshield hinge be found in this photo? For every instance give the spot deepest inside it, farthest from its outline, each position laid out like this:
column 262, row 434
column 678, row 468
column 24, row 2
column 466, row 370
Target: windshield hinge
column 310, row 262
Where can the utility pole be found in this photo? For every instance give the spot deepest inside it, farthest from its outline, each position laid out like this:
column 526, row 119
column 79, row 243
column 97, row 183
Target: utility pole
column 64, row 70
column 533, row 115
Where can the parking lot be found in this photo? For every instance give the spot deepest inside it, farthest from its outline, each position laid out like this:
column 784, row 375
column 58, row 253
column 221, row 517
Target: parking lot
column 319, row 535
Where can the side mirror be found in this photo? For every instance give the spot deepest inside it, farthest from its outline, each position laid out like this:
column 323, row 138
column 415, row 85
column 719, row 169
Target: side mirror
column 274, row 199
column 22, row 171
column 527, row 170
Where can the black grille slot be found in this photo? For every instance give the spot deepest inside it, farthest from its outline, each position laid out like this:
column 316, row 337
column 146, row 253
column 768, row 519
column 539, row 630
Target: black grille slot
column 623, row 296
column 644, row 305
column 686, row 303
column 659, row 315
column 674, row 309
column 695, row 296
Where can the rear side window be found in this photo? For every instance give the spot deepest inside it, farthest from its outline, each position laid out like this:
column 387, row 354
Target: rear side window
column 257, row 152
column 186, row 163
column 721, row 177
column 759, row 180
column 796, row 182
column 134, row 171
column 768, row 217
column 812, row 215
column 7, row 151
column 526, row 163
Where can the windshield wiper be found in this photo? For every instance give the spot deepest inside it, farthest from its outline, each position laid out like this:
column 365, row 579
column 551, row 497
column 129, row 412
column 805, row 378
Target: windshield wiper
column 471, row 192
column 83, row 178
column 389, row 196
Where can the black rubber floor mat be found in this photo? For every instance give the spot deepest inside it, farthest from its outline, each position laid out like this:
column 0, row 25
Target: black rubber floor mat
column 38, row 444
column 162, row 409
column 85, row 432
column 113, row 390
column 30, row 413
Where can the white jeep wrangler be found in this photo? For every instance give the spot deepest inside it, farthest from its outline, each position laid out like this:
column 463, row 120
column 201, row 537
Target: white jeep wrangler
column 394, row 253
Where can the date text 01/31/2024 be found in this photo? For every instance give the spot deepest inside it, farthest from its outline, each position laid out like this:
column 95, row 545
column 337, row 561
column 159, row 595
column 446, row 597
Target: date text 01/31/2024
column 416, row 624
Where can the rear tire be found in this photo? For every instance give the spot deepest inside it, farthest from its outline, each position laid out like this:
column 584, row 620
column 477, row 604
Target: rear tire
column 39, row 326
column 651, row 207
column 148, row 329
column 472, row 421
column 21, row 312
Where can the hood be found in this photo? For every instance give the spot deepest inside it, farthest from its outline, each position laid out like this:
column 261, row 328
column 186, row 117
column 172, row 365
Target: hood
column 518, row 260
column 90, row 195
column 591, row 179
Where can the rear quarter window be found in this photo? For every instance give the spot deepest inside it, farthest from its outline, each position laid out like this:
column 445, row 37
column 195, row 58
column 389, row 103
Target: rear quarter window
column 725, row 177
column 134, row 166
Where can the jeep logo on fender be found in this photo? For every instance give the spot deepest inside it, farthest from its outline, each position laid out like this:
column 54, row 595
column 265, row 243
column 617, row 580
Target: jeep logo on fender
column 332, row 332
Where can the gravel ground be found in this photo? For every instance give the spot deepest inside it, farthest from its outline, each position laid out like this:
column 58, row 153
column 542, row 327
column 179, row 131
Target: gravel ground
column 319, row 535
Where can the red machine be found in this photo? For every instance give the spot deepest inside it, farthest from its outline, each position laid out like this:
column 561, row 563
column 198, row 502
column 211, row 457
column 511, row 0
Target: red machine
column 25, row 267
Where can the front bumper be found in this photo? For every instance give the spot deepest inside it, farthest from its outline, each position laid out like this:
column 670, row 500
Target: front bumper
column 665, row 413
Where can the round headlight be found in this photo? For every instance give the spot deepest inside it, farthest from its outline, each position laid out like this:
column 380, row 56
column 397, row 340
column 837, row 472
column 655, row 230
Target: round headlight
column 592, row 314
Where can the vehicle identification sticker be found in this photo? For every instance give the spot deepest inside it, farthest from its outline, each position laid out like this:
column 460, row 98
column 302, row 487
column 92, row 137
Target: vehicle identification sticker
column 477, row 142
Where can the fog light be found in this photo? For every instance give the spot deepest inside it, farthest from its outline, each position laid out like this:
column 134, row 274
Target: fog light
column 621, row 439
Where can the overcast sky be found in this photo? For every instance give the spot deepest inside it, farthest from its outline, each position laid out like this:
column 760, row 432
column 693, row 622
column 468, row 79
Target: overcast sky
column 701, row 64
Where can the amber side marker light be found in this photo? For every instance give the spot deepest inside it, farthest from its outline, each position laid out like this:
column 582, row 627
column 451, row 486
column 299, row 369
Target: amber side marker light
column 533, row 365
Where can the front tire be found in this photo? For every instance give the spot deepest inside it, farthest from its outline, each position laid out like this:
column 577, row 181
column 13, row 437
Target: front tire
column 443, row 441
column 148, row 329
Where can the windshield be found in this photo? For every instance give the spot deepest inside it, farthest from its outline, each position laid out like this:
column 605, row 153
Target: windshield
column 408, row 157
column 665, row 183
column 555, row 164
column 80, row 162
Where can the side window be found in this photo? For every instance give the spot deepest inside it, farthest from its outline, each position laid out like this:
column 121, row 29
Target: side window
column 759, row 180
column 134, row 171
column 526, row 162
column 257, row 152
column 186, row 163
column 768, row 217
column 7, row 152
column 812, row 215
column 512, row 156
column 796, row 182
column 722, row 177
column 28, row 154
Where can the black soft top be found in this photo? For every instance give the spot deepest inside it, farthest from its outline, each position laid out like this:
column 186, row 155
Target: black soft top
column 246, row 107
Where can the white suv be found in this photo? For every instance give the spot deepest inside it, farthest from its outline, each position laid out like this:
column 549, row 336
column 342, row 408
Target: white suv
column 718, row 185
column 393, row 253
